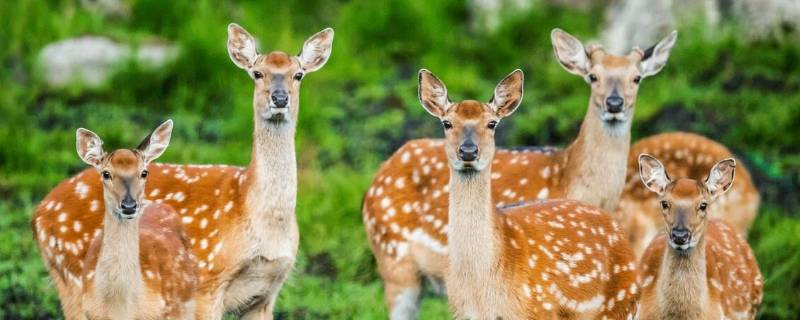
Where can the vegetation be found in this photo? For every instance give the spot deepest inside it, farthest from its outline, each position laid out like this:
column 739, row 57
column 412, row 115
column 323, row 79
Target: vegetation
column 359, row 108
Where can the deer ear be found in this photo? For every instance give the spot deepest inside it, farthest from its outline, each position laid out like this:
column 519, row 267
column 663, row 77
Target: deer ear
column 508, row 94
column 90, row 147
column 570, row 52
column 154, row 145
column 316, row 50
column 655, row 58
column 720, row 179
column 432, row 94
column 653, row 174
column 241, row 46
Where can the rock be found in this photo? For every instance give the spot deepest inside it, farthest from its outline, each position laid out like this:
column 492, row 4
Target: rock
column 91, row 60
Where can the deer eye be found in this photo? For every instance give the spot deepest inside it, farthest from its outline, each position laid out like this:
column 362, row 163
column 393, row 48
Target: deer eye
column 492, row 124
column 664, row 204
column 106, row 175
column 637, row 79
column 144, row 174
column 298, row 76
column 703, row 206
column 446, row 124
column 258, row 74
column 592, row 77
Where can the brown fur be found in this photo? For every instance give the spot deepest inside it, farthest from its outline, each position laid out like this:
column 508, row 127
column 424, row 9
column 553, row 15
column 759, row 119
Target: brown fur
column 683, row 155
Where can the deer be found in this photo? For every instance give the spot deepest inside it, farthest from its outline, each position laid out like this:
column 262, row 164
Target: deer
column 533, row 260
column 405, row 208
column 240, row 221
column 699, row 267
column 686, row 155
column 139, row 265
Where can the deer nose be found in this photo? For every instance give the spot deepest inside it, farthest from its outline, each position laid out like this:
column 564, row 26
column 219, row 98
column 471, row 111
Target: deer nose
column 679, row 236
column 468, row 152
column 614, row 103
column 280, row 99
column 128, row 205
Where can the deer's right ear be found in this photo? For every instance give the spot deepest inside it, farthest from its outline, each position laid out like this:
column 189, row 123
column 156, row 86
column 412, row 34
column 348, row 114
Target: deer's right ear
column 508, row 94
column 432, row 94
column 653, row 174
column 90, row 147
column 154, row 145
column 241, row 46
column 570, row 52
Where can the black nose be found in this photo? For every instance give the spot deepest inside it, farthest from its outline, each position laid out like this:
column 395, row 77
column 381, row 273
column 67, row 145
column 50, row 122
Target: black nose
column 680, row 236
column 128, row 206
column 280, row 99
column 468, row 152
column 614, row 103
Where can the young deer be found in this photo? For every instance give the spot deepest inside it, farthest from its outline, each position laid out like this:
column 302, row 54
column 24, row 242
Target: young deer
column 139, row 265
column 405, row 208
column 685, row 155
column 536, row 260
column 240, row 221
column 702, row 269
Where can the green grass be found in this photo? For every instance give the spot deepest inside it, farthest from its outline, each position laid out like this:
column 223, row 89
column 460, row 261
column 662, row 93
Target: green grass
column 359, row 108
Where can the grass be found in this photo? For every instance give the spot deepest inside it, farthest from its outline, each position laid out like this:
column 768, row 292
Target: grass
column 359, row 108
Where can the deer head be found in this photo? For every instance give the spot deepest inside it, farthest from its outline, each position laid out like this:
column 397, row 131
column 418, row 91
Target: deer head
column 277, row 75
column 124, row 171
column 684, row 202
column 469, row 125
column 614, row 79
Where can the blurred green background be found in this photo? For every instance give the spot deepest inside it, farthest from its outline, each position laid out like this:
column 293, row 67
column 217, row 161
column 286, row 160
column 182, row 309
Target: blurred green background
column 742, row 91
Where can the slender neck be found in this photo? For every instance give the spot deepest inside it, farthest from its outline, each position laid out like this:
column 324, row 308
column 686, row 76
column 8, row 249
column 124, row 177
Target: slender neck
column 118, row 271
column 595, row 163
column 682, row 288
column 473, row 243
column 271, row 188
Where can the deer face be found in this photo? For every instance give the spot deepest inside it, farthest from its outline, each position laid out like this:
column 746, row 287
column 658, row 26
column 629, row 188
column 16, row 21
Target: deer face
column 124, row 171
column 469, row 125
column 277, row 75
column 614, row 79
column 684, row 202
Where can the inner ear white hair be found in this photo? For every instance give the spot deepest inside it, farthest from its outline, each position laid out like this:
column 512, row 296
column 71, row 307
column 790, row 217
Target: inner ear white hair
column 653, row 174
column 508, row 94
column 720, row 178
column 570, row 52
column 241, row 47
column 154, row 145
column 316, row 50
column 90, row 147
column 655, row 58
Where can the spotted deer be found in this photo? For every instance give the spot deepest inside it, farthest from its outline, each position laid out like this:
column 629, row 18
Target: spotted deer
column 405, row 208
column 685, row 155
column 139, row 265
column 240, row 222
column 701, row 268
column 534, row 260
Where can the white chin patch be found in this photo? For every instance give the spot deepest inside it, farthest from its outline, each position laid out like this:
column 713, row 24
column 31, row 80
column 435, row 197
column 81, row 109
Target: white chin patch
column 682, row 247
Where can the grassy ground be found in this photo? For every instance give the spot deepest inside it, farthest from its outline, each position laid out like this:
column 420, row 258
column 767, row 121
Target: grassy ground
column 358, row 109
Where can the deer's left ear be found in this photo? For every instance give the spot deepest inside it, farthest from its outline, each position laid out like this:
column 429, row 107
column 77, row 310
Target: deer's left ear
column 653, row 174
column 154, row 145
column 316, row 50
column 508, row 94
column 720, row 179
column 655, row 58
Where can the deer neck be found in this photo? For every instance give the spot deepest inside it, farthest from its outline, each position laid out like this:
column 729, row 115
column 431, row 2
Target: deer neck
column 595, row 163
column 682, row 286
column 118, row 277
column 473, row 244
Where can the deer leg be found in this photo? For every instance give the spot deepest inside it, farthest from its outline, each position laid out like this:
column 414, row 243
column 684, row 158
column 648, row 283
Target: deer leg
column 402, row 285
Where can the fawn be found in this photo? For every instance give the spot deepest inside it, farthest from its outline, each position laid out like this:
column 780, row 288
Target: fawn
column 405, row 208
column 240, row 222
column 139, row 265
column 701, row 268
column 685, row 155
column 537, row 260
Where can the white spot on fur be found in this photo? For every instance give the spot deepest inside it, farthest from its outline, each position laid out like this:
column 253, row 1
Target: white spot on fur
column 543, row 194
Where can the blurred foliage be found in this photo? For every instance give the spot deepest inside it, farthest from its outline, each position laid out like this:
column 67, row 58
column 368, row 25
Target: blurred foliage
column 359, row 108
